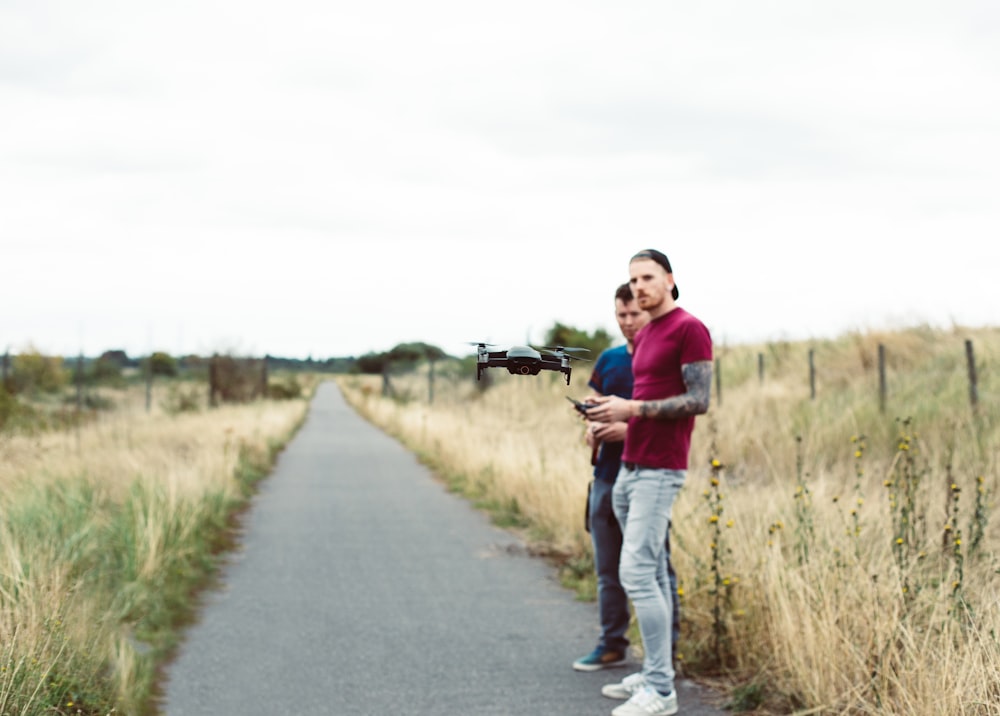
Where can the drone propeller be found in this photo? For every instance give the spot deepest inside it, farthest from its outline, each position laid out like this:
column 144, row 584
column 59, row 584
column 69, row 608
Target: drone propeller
column 563, row 355
column 480, row 343
column 565, row 349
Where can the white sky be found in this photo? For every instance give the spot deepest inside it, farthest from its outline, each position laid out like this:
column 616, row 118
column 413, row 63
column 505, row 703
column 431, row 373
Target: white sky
column 328, row 178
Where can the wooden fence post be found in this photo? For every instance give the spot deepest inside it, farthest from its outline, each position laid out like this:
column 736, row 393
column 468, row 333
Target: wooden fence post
column 970, row 357
column 213, row 368
column 6, row 367
column 149, row 383
column 386, row 383
column 760, row 368
column 881, row 378
column 79, row 384
column 430, row 383
column 812, row 374
column 718, row 380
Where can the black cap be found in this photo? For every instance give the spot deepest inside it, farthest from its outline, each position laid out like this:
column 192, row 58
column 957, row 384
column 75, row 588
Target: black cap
column 661, row 259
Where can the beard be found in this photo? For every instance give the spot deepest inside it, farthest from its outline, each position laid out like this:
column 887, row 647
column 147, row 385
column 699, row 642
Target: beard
column 647, row 301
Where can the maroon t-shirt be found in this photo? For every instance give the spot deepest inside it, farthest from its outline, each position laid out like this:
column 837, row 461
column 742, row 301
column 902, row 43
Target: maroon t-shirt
column 661, row 347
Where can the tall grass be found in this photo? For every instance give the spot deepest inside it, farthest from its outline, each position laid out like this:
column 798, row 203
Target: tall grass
column 106, row 532
column 833, row 559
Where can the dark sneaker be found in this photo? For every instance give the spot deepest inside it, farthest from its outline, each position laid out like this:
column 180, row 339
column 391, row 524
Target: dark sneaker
column 601, row 658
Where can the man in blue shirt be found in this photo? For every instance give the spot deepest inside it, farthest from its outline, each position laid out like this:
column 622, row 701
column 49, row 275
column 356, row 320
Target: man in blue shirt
column 612, row 375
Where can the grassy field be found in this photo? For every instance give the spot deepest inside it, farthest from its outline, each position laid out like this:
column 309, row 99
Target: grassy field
column 833, row 558
column 107, row 531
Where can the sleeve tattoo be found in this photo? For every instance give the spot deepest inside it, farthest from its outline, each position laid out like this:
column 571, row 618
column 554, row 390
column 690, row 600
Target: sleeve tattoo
column 698, row 380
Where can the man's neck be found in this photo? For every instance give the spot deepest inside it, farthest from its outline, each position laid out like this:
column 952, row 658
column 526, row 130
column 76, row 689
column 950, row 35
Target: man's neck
column 663, row 309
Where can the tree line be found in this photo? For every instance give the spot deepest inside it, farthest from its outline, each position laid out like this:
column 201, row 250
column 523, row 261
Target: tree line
column 31, row 372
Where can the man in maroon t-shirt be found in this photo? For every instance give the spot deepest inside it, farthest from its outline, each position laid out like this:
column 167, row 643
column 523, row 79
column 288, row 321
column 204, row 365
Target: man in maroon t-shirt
column 672, row 369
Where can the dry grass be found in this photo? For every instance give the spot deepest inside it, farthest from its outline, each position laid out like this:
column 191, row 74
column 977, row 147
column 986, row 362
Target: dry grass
column 840, row 576
column 104, row 530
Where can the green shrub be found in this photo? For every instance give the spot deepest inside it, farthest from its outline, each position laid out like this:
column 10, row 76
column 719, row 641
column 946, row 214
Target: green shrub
column 8, row 406
column 89, row 401
column 235, row 380
column 14, row 414
column 183, row 400
column 287, row 389
column 33, row 372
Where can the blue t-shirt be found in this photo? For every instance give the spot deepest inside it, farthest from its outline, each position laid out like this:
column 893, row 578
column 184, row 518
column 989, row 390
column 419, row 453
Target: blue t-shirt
column 612, row 376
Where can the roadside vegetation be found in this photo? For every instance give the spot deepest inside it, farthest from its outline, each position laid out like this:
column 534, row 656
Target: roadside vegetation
column 835, row 556
column 117, row 495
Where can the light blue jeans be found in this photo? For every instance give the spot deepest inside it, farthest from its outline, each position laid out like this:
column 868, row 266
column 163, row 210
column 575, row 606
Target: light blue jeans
column 612, row 601
column 643, row 498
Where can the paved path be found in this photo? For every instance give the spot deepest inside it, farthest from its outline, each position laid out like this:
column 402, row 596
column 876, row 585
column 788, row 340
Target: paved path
column 363, row 587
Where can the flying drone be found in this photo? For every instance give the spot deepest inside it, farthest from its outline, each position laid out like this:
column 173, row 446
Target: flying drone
column 525, row 360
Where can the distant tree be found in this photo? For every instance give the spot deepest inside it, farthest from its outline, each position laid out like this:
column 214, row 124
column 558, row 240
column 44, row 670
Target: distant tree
column 118, row 357
column 339, row 365
column 403, row 355
column 413, row 352
column 373, row 363
column 162, row 364
column 563, row 335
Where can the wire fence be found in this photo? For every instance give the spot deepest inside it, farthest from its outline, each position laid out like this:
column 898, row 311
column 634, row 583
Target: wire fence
column 403, row 382
column 240, row 379
column 229, row 379
column 970, row 364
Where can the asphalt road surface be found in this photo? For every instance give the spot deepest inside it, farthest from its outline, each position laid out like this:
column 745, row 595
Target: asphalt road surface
column 362, row 586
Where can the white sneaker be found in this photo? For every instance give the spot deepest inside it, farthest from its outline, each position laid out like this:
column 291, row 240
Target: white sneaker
column 647, row 701
column 625, row 688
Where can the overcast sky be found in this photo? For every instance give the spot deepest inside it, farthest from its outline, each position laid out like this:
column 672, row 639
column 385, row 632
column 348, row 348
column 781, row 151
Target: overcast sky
column 328, row 178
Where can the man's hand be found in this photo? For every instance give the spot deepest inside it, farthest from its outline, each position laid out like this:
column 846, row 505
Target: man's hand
column 606, row 432
column 611, row 409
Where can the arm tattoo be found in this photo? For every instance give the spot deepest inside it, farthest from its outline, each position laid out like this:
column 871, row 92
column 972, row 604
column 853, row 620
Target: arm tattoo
column 698, row 380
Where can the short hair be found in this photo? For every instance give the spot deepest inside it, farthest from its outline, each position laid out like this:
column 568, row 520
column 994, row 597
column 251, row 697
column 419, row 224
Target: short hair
column 624, row 293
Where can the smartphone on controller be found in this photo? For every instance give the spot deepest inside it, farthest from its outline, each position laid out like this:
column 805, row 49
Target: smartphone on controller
column 580, row 406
